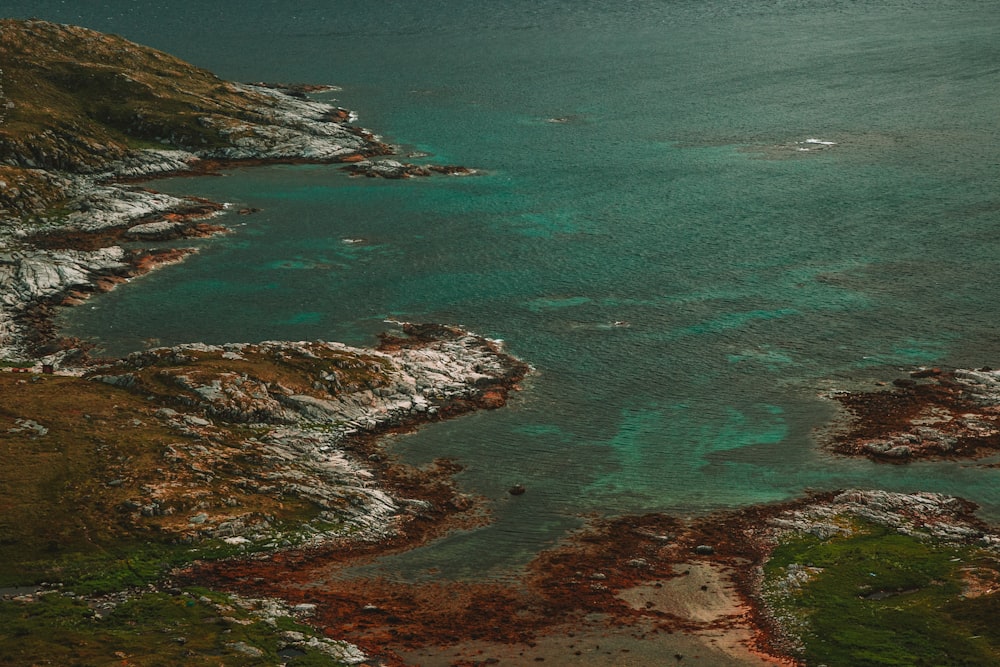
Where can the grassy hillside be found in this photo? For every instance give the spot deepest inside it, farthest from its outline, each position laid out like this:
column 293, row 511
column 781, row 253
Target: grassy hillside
column 75, row 99
column 877, row 597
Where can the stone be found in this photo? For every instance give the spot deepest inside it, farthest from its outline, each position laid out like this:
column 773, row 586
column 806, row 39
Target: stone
column 246, row 649
column 898, row 452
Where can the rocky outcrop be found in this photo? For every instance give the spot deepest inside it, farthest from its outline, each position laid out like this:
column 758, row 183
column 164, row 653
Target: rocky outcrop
column 31, row 277
column 307, row 404
column 929, row 515
column 933, row 414
column 348, row 389
column 295, row 128
column 393, row 169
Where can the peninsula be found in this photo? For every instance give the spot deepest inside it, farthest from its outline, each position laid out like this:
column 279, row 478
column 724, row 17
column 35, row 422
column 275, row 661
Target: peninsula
column 200, row 504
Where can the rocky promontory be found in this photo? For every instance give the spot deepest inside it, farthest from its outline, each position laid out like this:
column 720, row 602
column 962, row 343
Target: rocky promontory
column 85, row 115
column 230, row 442
column 113, row 477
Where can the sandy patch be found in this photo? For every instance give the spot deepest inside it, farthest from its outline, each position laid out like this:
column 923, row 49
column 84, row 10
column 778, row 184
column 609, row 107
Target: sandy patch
column 592, row 643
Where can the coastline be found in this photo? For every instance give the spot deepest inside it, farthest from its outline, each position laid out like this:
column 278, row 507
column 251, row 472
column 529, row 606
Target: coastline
column 67, row 200
column 626, row 590
column 246, row 446
column 263, row 445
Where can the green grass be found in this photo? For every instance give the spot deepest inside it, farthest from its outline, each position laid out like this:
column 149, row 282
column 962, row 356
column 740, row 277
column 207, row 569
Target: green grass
column 73, row 87
column 882, row 598
column 127, row 565
column 196, row 627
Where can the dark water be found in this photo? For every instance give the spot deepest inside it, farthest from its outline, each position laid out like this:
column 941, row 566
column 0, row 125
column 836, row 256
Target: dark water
column 645, row 164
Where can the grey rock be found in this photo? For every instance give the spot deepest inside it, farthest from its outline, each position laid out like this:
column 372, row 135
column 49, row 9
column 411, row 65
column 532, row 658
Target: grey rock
column 246, row 649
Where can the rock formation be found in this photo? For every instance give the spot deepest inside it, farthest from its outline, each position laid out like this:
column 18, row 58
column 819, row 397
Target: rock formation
column 933, row 414
column 304, row 403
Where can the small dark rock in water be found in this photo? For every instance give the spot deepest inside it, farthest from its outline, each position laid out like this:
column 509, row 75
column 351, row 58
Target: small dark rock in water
column 904, row 382
column 517, row 490
column 704, row 550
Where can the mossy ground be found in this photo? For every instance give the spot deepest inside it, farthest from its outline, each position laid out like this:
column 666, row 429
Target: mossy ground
column 877, row 597
column 74, row 100
column 104, row 93
column 193, row 627
column 315, row 369
column 75, row 452
column 80, row 456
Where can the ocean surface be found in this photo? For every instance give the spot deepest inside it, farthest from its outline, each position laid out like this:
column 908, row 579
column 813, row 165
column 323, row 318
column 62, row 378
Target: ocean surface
column 694, row 219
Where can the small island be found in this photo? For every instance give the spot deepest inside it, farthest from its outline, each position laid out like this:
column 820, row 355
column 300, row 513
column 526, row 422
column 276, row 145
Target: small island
column 201, row 504
column 933, row 414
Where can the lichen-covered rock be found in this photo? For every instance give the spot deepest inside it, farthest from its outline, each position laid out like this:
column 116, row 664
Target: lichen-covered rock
column 920, row 514
column 304, row 404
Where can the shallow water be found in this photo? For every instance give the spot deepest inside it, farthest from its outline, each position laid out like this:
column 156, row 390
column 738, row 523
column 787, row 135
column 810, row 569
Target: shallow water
column 646, row 164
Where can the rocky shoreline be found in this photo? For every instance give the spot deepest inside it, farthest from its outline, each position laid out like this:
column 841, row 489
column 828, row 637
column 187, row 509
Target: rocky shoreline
column 261, row 461
column 252, row 447
column 631, row 589
column 239, row 450
column 331, row 399
column 67, row 200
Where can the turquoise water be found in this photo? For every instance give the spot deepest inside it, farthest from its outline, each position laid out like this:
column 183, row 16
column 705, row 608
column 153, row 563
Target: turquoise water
column 642, row 166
